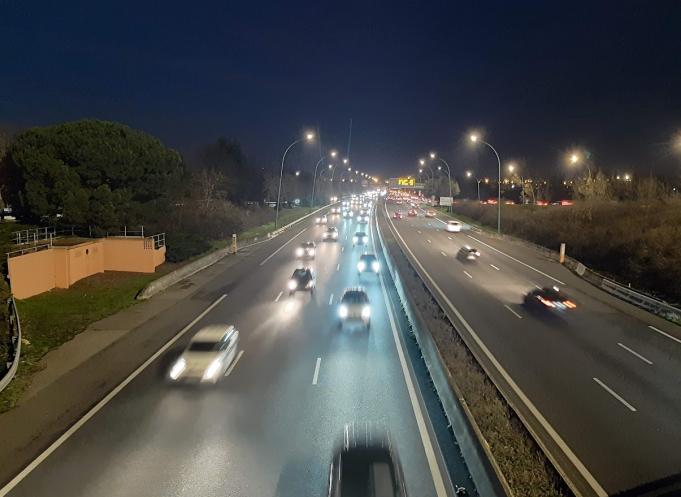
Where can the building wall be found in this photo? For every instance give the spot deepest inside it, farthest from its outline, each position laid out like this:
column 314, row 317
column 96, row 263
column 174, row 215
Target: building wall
column 128, row 254
column 31, row 274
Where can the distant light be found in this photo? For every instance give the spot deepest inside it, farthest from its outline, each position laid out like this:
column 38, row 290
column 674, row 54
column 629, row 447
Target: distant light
column 420, row 171
column 333, row 153
column 439, row 168
column 627, row 177
column 574, row 159
column 474, row 138
column 511, row 167
column 309, row 136
column 432, row 155
column 345, row 161
column 349, row 169
column 469, row 174
column 297, row 173
column 422, row 162
column 330, row 166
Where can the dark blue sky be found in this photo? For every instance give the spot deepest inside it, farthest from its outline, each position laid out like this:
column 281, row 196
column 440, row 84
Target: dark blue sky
column 538, row 76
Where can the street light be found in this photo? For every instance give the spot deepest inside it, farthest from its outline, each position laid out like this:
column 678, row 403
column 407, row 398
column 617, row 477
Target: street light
column 576, row 158
column 434, row 156
column 469, row 174
column 333, row 153
column 345, row 161
column 512, row 167
column 475, row 138
column 308, row 137
column 297, row 173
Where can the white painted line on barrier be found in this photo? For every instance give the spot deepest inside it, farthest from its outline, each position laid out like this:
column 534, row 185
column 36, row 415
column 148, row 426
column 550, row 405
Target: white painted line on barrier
column 315, row 377
column 468, row 274
column 664, row 333
column 443, row 253
column 231, row 368
column 515, row 313
column 449, row 237
column 648, row 361
column 495, row 267
column 284, row 245
column 331, row 299
column 418, row 231
column 279, row 296
column 516, row 260
column 429, row 241
column 338, row 267
column 615, row 394
column 99, row 405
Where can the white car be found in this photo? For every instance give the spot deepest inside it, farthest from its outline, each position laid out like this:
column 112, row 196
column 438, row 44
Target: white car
column 306, row 250
column 331, row 234
column 453, row 226
column 360, row 238
column 208, row 356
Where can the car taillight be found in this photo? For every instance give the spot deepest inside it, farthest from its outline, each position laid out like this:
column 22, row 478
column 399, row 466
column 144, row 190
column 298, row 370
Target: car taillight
column 547, row 303
column 570, row 304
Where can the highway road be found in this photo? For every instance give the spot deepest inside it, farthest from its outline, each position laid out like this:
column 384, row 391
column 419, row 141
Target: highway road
column 269, row 428
column 608, row 382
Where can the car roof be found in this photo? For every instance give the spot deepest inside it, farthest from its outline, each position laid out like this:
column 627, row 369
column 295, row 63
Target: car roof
column 354, row 289
column 360, row 233
column 212, row 333
column 308, row 244
column 368, row 256
column 453, row 222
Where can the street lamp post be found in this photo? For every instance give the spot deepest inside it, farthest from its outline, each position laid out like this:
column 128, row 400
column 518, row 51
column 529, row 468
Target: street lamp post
column 475, row 138
column 314, row 177
column 512, row 167
column 449, row 174
column 469, row 174
column 308, row 137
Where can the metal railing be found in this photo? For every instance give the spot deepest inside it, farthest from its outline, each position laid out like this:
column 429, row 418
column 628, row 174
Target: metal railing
column 13, row 343
column 28, row 250
column 33, row 235
column 125, row 232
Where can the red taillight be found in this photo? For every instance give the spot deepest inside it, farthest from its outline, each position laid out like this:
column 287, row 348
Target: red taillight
column 547, row 303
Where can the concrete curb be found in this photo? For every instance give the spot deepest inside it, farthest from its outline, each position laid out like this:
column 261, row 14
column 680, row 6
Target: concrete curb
column 194, row 267
column 13, row 319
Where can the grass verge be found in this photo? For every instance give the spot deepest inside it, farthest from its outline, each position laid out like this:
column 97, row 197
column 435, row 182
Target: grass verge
column 525, row 467
column 286, row 216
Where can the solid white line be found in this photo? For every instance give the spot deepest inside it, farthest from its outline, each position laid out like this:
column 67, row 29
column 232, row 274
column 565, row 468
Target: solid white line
column 78, row 424
column 635, row 353
column 278, row 296
column 316, row 371
column 536, row 286
column 579, row 465
column 284, row 245
column 516, row 314
column 338, row 267
column 614, row 394
column 495, row 267
column 443, row 253
column 342, row 248
column 516, row 260
column 664, row 333
column 231, row 368
column 331, row 299
column 467, row 274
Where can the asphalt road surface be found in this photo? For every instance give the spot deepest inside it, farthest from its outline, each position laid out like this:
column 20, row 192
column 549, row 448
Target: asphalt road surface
column 269, row 428
column 607, row 381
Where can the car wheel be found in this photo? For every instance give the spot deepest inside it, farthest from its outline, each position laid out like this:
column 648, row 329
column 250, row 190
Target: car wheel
column 290, row 293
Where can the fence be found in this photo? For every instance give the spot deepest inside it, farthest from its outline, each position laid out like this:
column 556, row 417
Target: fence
column 27, row 250
column 33, row 235
column 13, row 343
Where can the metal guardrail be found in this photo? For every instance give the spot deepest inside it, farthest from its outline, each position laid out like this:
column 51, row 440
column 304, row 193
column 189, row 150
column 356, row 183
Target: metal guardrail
column 33, row 235
column 641, row 300
column 14, row 343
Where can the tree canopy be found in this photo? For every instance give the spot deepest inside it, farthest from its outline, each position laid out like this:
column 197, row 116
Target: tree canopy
column 90, row 172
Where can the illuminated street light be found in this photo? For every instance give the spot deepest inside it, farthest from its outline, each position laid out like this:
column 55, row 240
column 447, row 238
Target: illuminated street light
column 333, row 154
column 512, row 167
column 469, row 174
column 297, row 173
column 309, row 136
column 422, row 162
column 432, row 155
column 345, row 161
column 330, row 166
column 475, row 138
column 576, row 158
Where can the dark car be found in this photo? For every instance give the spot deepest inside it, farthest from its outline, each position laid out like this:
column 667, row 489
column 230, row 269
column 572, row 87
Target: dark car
column 360, row 238
column 368, row 263
column 366, row 465
column 467, row 253
column 302, row 279
column 549, row 298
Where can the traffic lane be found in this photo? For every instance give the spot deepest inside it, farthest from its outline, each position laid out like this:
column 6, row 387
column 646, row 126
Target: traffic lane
column 525, row 357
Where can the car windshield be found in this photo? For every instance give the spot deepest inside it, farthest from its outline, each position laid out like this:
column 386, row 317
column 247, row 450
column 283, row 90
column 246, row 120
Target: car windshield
column 355, row 297
column 203, row 346
column 308, row 245
column 360, row 234
column 300, row 273
column 368, row 258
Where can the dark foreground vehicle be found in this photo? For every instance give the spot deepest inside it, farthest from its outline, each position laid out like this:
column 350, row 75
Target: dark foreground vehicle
column 549, row 298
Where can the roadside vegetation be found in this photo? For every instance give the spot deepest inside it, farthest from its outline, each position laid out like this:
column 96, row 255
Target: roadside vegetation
column 634, row 242
column 523, row 464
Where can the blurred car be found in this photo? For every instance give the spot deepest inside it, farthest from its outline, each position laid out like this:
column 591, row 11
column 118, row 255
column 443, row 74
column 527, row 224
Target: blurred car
column 321, row 219
column 354, row 306
column 548, row 298
column 331, row 234
column 360, row 238
column 453, row 226
column 397, row 215
column 209, row 353
column 306, row 250
column 365, row 464
column 398, row 202
column 363, row 216
column 411, row 213
column 335, row 210
column 430, row 213
column 468, row 253
column 302, row 280
column 368, row 263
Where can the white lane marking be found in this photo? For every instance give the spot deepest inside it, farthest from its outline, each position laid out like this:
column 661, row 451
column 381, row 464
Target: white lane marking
column 437, row 229
column 516, row 260
column 664, row 333
column 443, row 253
column 342, row 249
column 536, row 286
column 635, row 353
column 231, row 368
column 331, row 299
column 284, row 245
column 338, row 267
column 279, row 296
column 315, row 377
column 579, row 465
column 467, row 274
column 418, row 231
column 615, row 394
column 78, row 424
column 449, row 237
column 429, row 241
column 495, row 267
column 516, row 314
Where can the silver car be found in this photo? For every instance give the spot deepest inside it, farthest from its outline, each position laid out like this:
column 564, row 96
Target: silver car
column 208, row 356
column 354, row 306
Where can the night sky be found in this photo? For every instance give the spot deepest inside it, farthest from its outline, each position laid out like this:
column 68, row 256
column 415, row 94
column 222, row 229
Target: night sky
column 538, row 77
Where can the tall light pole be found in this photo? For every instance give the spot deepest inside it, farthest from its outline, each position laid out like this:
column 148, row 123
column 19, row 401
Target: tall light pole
column 475, row 138
column 333, row 154
column 308, row 137
column 469, row 174
column 434, row 156
column 512, row 167
column 577, row 158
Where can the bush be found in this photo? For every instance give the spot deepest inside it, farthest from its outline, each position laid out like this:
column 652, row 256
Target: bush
column 182, row 246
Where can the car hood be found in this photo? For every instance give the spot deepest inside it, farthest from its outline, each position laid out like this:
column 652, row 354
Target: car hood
column 199, row 361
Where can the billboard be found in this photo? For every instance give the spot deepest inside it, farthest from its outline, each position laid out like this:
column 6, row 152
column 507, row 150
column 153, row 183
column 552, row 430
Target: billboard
column 404, row 182
column 445, row 201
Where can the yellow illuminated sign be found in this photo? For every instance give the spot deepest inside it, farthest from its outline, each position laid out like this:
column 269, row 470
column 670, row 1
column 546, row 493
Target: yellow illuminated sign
column 406, row 181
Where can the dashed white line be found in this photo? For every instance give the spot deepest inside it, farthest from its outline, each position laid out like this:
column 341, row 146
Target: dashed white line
column 331, row 299
column 338, row 267
column 278, row 296
column 495, row 267
column 315, row 377
column 418, row 231
column 231, row 368
column 443, row 253
column 342, row 249
column 664, row 333
column 284, row 245
column 536, row 286
column 615, row 394
column 449, row 237
column 648, row 361
column 429, row 241
column 512, row 311
column 468, row 274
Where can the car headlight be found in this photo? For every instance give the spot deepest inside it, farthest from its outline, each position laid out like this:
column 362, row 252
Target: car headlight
column 354, row 239
column 335, row 235
column 309, row 284
column 365, row 239
column 299, row 251
column 343, row 311
column 311, row 252
column 212, row 370
column 177, row 369
column 292, row 284
column 375, row 266
column 366, row 312
column 361, row 266
column 318, row 220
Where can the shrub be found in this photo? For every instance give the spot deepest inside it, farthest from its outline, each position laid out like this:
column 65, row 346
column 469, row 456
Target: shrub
column 182, row 246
